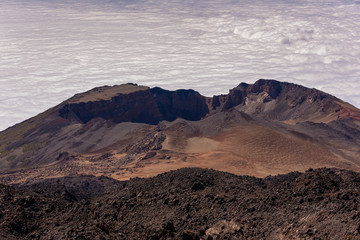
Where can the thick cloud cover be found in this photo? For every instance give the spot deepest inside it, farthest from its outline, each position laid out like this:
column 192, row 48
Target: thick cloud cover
column 52, row 49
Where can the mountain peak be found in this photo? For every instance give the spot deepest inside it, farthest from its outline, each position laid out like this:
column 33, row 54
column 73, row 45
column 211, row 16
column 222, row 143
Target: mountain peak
column 285, row 102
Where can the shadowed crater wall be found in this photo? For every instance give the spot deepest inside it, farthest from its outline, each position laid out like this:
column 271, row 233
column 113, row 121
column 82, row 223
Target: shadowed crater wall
column 147, row 106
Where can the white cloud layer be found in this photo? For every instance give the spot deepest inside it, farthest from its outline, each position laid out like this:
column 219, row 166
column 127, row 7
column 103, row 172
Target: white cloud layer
column 50, row 50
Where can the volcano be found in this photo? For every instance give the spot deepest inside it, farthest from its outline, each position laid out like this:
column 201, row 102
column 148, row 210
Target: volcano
column 128, row 131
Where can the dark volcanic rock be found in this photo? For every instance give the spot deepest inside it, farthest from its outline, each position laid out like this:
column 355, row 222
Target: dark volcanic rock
column 191, row 204
column 238, row 95
column 146, row 106
column 80, row 187
column 279, row 101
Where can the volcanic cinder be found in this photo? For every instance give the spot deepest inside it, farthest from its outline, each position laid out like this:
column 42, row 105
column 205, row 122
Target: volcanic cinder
column 189, row 203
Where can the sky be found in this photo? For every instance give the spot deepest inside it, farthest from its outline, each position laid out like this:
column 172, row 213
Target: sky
column 53, row 49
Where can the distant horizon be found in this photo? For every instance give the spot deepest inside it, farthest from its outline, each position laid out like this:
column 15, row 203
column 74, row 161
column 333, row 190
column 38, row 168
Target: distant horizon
column 51, row 50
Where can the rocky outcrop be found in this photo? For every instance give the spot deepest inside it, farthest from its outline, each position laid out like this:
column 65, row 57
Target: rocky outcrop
column 238, row 95
column 147, row 106
column 282, row 101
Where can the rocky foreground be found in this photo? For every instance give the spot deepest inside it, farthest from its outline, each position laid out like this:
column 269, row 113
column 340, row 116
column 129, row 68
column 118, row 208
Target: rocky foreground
column 189, row 203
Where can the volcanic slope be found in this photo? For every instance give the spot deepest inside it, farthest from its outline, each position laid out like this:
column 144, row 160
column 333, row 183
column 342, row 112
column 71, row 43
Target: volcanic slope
column 189, row 203
column 125, row 131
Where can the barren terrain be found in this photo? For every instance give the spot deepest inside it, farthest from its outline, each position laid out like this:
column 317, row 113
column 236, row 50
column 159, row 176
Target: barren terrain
column 130, row 131
column 190, row 203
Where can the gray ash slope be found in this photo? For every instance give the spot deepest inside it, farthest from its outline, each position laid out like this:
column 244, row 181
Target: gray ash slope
column 189, row 203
